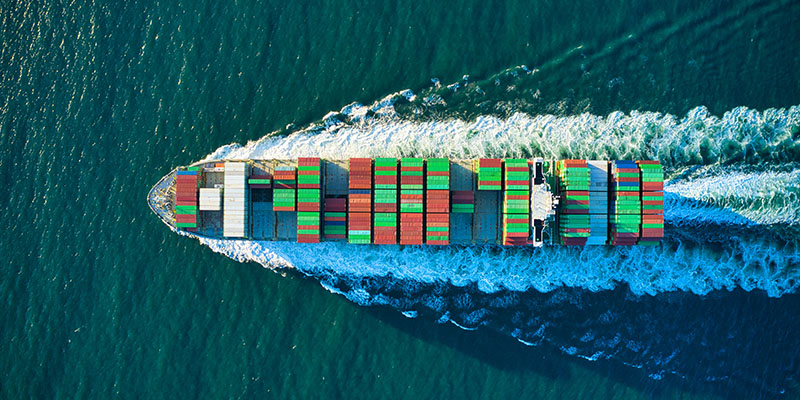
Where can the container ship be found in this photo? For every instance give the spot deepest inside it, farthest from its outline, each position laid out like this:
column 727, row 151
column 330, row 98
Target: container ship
column 416, row 201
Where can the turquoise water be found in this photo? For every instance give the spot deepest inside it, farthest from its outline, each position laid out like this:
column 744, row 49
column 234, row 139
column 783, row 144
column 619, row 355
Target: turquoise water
column 100, row 99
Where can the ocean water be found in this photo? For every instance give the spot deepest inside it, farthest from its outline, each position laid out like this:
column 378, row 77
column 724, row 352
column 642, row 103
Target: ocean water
column 100, row 99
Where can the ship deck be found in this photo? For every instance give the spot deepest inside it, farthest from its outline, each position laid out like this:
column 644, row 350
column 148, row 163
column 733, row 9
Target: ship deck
column 480, row 227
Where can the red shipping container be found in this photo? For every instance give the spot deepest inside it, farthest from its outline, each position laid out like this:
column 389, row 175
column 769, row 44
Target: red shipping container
column 652, row 232
column 652, row 186
column 630, row 235
column 438, row 173
column 517, row 169
column 576, row 193
column 438, row 217
column 577, row 202
column 186, row 218
column 307, row 206
column 627, row 179
column 653, row 212
column 307, row 238
column 386, row 207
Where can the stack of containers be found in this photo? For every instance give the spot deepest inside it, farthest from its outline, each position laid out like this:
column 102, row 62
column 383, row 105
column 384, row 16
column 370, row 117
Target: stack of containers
column 335, row 218
column 385, row 185
column 626, row 209
column 385, row 227
column 463, row 201
column 210, row 199
column 574, row 220
column 411, row 184
column 186, row 183
column 598, row 202
column 489, row 174
column 359, row 229
column 437, row 193
column 437, row 201
column 385, row 203
column 516, row 229
column 516, row 202
column 234, row 206
column 283, row 193
column 263, row 181
column 437, row 229
column 652, row 203
column 517, row 174
column 308, row 185
column 308, row 227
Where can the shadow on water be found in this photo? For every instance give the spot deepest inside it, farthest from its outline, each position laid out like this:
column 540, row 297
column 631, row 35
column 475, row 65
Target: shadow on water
column 730, row 344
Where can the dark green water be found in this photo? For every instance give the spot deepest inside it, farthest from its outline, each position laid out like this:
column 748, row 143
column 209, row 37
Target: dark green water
column 100, row 99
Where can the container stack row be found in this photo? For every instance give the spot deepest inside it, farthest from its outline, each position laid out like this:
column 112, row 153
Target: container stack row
column 385, row 186
column 411, row 186
column 574, row 225
column 625, row 212
column 308, row 199
column 308, row 227
column 385, row 203
column 516, row 202
column 437, row 201
column 186, row 184
column 463, row 202
column 385, row 227
column 359, row 229
column 437, row 229
column 598, row 202
column 335, row 218
column 234, row 213
column 652, row 175
column 284, row 188
column 489, row 173
column 308, row 184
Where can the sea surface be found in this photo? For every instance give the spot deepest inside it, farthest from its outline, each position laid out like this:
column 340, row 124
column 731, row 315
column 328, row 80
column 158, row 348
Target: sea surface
column 99, row 99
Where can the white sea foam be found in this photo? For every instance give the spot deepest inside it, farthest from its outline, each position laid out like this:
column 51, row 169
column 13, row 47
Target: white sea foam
column 646, row 270
column 698, row 138
column 759, row 198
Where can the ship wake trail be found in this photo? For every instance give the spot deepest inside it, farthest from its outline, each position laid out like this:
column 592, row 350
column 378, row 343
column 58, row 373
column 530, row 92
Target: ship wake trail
column 732, row 213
